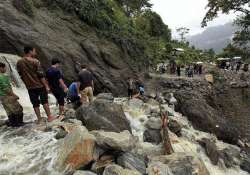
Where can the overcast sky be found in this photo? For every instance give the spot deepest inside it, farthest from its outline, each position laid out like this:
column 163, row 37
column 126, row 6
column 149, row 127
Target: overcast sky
column 186, row 13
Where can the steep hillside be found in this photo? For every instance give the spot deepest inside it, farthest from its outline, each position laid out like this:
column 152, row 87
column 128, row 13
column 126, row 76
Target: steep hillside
column 103, row 40
column 217, row 37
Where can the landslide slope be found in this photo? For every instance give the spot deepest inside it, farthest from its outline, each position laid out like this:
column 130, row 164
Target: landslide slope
column 58, row 34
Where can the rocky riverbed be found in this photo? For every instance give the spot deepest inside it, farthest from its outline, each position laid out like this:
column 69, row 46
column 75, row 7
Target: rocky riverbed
column 116, row 136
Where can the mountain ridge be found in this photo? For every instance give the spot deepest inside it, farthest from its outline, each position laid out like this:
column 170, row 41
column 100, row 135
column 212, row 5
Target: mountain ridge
column 217, row 37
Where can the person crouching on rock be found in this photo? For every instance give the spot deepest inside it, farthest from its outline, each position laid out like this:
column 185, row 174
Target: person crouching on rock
column 57, row 85
column 86, row 80
column 31, row 73
column 74, row 94
column 9, row 100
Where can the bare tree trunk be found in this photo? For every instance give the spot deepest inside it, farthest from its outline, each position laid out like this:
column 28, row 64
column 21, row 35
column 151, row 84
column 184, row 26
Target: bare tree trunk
column 168, row 149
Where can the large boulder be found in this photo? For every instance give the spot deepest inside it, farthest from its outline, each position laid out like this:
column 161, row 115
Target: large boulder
column 117, row 170
column 205, row 117
column 76, row 149
column 101, row 115
column 177, row 164
column 122, row 141
column 132, row 162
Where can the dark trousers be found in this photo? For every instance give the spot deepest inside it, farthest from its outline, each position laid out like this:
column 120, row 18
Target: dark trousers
column 130, row 93
column 15, row 120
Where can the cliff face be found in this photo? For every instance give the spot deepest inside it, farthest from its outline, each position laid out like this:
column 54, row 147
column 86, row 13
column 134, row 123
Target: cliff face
column 55, row 34
column 221, row 108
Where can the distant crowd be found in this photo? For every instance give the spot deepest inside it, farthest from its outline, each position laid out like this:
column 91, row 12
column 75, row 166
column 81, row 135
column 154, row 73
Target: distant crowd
column 233, row 65
column 174, row 69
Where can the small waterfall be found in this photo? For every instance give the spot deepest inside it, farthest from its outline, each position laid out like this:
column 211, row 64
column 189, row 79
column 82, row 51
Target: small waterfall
column 10, row 62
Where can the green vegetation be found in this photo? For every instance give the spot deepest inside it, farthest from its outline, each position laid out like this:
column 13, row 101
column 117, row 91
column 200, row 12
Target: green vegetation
column 231, row 51
column 26, row 6
column 130, row 24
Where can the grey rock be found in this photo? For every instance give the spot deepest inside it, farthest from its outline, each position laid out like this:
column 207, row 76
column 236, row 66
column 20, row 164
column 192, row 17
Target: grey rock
column 132, row 162
column 177, row 164
column 146, row 149
column 230, row 156
column 105, row 116
column 154, row 123
column 245, row 163
column 73, row 121
column 70, row 114
column 60, row 133
column 105, row 96
column 175, row 127
column 3, row 122
column 152, row 136
column 211, row 150
column 135, row 103
column 117, row 170
column 153, row 102
column 122, row 141
column 84, row 173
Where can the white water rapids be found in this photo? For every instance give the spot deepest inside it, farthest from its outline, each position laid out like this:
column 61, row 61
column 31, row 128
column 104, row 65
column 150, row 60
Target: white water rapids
column 28, row 151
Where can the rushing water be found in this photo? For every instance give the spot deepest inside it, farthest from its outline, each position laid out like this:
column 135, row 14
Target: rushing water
column 28, row 151
column 187, row 143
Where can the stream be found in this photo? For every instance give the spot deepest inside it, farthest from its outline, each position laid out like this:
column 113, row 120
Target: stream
column 28, row 151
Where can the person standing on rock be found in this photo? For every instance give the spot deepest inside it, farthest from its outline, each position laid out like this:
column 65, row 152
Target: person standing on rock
column 57, row 85
column 31, row 73
column 130, row 84
column 86, row 80
column 178, row 70
column 9, row 100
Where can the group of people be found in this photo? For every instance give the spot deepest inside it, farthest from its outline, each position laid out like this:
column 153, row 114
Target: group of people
column 40, row 84
column 175, row 69
column 195, row 69
column 233, row 66
column 135, row 88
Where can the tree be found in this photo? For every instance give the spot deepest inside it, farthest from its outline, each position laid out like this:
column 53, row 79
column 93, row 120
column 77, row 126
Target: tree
column 151, row 23
column 183, row 31
column 231, row 51
column 134, row 7
column 210, row 53
column 226, row 6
